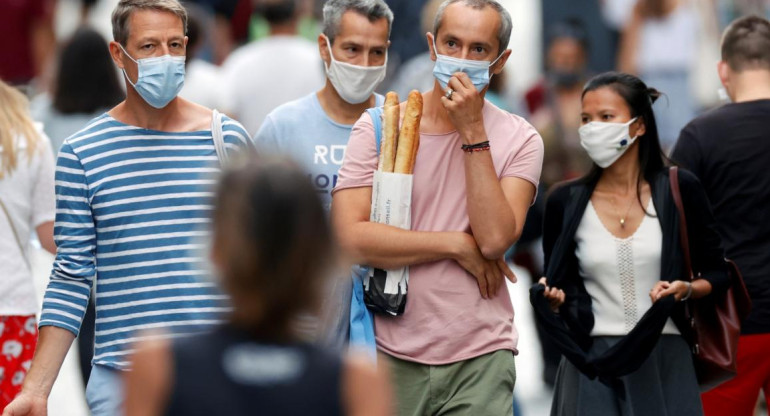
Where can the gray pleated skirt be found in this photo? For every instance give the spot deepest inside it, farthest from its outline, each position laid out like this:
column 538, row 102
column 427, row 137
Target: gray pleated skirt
column 665, row 385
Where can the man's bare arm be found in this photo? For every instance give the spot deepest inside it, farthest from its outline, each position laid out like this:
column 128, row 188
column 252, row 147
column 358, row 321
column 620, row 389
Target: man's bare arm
column 382, row 245
column 389, row 247
column 496, row 208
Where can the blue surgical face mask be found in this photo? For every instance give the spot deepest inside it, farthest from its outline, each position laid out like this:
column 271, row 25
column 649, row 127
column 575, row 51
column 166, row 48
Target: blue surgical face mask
column 160, row 78
column 446, row 66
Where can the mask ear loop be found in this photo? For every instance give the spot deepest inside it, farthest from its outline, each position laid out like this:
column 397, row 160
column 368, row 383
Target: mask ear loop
column 491, row 74
column 332, row 62
column 331, row 54
column 632, row 139
column 496, row 59
column 435, row 49
column 125, row 74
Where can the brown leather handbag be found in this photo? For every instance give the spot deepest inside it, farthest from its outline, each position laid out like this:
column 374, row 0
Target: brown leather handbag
column 716, row 322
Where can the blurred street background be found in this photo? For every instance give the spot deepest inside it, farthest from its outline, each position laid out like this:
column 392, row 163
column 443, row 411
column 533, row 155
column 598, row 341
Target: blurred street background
column 673, row 45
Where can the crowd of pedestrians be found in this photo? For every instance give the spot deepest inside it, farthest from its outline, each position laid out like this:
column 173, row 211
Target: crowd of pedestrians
column 217, row 256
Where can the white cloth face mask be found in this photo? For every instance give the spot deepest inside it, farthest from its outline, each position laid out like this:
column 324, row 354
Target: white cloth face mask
column 606, row 142
column 354, row 83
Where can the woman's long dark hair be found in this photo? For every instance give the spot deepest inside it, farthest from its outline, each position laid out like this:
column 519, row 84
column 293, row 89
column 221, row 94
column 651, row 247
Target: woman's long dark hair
column 86, row 80
column 639, row 99
column 278, row 245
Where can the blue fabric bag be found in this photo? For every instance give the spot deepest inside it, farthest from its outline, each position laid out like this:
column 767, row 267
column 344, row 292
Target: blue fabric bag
column 361, row 318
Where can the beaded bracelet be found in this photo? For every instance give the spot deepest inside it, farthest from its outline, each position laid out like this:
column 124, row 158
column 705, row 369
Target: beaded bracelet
column 478, row 147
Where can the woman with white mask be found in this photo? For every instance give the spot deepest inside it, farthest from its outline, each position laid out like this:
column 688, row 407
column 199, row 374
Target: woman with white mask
column 615, row 273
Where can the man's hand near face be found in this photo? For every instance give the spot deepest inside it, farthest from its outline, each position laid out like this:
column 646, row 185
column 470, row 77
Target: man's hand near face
column 464, row 108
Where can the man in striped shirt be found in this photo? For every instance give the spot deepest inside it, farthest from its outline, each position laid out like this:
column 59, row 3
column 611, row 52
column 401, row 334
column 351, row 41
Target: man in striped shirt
column 133, row 194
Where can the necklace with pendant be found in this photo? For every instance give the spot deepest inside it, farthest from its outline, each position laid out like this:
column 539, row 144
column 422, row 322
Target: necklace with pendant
column 622, row 218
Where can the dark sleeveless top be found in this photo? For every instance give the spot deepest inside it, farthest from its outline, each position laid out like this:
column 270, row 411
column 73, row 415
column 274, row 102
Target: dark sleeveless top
column 227, row 373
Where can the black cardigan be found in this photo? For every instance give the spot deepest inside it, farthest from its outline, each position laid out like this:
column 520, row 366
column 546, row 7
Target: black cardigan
column 571, row 328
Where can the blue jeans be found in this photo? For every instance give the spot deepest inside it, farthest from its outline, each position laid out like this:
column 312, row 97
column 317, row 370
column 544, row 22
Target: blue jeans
column 104, row 392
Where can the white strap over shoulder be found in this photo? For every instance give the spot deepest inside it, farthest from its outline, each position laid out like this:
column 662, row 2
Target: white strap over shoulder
column 219, row 139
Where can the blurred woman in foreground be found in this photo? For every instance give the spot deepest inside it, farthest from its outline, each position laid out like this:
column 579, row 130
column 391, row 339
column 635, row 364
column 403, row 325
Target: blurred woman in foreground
column 271, row 246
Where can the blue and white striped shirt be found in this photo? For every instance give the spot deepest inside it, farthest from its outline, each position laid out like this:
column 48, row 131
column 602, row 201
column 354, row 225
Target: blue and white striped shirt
column 133, row 210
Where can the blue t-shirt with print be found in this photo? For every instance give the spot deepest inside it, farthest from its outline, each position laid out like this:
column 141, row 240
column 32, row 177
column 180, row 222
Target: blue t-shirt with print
column 302, row 130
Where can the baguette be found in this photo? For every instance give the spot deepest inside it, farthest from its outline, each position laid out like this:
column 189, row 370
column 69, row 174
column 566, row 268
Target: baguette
column 389, row 133
column 409, row 137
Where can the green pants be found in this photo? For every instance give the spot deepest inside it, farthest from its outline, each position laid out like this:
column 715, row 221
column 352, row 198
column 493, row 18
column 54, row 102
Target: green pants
column 481, row 386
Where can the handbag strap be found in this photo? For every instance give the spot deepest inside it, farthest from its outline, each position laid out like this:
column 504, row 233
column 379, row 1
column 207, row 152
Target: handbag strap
column 15, row 234
column 218, row 135
column 673, row 178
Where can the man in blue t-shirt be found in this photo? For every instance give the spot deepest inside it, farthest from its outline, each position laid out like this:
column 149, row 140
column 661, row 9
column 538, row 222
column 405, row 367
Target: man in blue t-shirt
column 314, row 130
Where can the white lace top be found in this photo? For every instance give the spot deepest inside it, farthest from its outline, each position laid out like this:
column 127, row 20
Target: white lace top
column 619, row 273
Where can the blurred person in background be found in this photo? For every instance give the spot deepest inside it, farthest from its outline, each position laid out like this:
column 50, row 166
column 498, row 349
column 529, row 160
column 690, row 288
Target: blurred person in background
column 262, row 75
column 86, row 85
column 416, row 73
column 308, row 25
column 272, row 249
column 408, row 33
column 133, row 191
column 314, row 130
column 28, row 42
column 554, row 107
column 729, row 150
column 86, row 6
column 554, row 102
column 231, row 27
column 659, row 44
column 729, row 10
column 452, row 350
column 228, row 22
column 601, row 32
column 26, row 205
column 202, row 81
column 615, row 266
column 616, row 13
column 496, row 93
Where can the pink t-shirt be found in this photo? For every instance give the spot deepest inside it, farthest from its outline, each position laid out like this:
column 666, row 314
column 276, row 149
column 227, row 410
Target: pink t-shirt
column 446, row 320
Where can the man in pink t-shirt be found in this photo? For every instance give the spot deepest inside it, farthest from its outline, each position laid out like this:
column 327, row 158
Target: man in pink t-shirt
column 451, row 352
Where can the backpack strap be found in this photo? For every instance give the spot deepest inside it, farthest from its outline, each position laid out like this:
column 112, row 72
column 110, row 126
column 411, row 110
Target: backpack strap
column 376, row 115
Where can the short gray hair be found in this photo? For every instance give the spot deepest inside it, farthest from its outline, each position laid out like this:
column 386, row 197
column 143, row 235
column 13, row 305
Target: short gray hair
column 503, row 34
column 123, row 10
column 371, row 9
